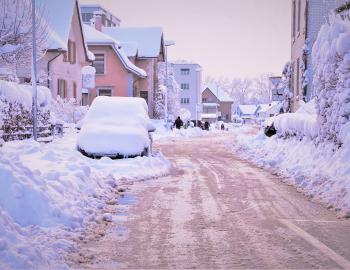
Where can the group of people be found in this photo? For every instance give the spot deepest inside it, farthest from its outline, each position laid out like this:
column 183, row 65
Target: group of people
column 179, row 124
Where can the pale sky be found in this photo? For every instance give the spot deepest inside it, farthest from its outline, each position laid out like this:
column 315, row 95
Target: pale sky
column 231, row 38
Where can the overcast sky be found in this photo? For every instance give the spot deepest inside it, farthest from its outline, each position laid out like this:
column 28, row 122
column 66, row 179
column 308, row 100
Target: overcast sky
column 232, row 38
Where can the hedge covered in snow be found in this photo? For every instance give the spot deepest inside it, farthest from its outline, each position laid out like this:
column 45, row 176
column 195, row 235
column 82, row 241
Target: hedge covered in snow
column 331, row 82
column 16, row 110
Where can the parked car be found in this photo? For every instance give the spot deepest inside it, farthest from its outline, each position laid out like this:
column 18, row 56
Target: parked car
column 116, row 127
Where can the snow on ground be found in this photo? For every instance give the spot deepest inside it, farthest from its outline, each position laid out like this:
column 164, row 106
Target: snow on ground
column 50, row 192
column 321, row 172
column 163, row 134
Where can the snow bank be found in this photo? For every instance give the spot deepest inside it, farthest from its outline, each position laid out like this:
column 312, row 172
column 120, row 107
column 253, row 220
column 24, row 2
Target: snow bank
column 319, row 171
column 48, row 192
column 302, row 123
column 163, row 134
column 116, row 125
column 185, row 115
column 22, row 94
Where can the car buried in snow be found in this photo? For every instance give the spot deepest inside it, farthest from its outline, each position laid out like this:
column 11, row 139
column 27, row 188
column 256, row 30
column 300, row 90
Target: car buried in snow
column 116, row 127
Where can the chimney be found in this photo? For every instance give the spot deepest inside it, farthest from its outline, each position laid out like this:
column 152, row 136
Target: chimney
column 96, row 21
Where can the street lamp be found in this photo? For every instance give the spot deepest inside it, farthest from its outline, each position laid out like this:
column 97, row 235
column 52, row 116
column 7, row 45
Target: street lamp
column 167, row 43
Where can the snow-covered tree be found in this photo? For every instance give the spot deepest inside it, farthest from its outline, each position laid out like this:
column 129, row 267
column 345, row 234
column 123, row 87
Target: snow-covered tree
column 172, row 91
column 67, row 110
column 16, row 33
column 331, row 82
column 285, row 83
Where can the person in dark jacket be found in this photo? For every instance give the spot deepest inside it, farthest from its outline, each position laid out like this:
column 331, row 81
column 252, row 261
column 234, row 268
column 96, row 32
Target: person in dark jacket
column 178, row 123
column 222, row 126
column 206, row 125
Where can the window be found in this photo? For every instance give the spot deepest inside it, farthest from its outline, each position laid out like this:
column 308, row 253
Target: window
column 105, row 92
column 99, row 63
column 185, row 86
column 293, row 18
column 185, row 71
column 87, row 17
column 61, row 88
column 299, row 15
column 204, row 100
column 84, row 99
column 298, row 76
column 185, row 101
column 144, row 94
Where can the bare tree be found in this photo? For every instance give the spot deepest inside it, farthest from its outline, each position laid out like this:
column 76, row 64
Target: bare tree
column 262, row 89
column 16, row 33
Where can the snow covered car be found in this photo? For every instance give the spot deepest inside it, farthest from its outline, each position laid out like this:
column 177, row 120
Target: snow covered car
column 116, row 127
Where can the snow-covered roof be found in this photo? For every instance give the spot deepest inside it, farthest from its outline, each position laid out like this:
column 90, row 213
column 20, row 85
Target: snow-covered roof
column 130, row 48
column 59, row 26
column 266, row 107
column 95, row 37
column 148, row 39
column 210, row 104
column 209, row 115
column 248, row 109
column 218, row 92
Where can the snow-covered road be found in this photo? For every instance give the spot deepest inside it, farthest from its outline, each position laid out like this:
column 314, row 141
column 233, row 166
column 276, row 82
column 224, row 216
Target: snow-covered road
column 215, row 210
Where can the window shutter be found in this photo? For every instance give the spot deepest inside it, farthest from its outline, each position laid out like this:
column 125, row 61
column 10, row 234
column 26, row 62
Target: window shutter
column 65, row 88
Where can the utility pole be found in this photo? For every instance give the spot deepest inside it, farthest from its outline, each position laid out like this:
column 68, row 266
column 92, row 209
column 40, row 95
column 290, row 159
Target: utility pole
column 167, row 44
column 34, row 76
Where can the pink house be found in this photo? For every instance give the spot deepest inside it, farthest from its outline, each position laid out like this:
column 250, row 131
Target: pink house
column 61, row 66
column 115, row 73
column 144, row 47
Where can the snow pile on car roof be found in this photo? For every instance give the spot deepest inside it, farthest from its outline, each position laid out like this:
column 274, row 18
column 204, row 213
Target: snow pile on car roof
column 115, row 125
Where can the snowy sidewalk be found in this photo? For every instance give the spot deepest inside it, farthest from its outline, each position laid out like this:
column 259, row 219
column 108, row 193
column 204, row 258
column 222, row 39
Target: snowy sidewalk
column 49, row 192
column 321, row 172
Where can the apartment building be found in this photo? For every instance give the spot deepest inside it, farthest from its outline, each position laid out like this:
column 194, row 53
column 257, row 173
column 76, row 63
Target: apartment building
column 307, row 18
column 108, row 19
column 189, row 78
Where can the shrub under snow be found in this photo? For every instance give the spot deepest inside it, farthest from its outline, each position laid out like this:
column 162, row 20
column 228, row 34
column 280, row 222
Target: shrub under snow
column 16, row 109
column 331, row 83
column 67, row 111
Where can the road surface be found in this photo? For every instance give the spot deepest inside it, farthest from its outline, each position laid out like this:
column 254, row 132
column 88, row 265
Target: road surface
column 215, row 211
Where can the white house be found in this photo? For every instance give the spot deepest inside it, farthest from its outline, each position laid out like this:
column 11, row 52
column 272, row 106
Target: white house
column 246, row 112
column 268, row 110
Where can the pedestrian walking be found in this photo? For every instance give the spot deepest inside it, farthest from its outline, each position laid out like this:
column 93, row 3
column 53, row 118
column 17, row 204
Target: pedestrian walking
column 178, row 123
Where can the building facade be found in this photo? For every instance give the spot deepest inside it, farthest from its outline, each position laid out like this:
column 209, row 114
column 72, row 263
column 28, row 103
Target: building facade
column 115, row 73
column 144, row 47
column 189, row 78
column 89, row 11
column 307, row 18
column 217, row 105
column 66, row 53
